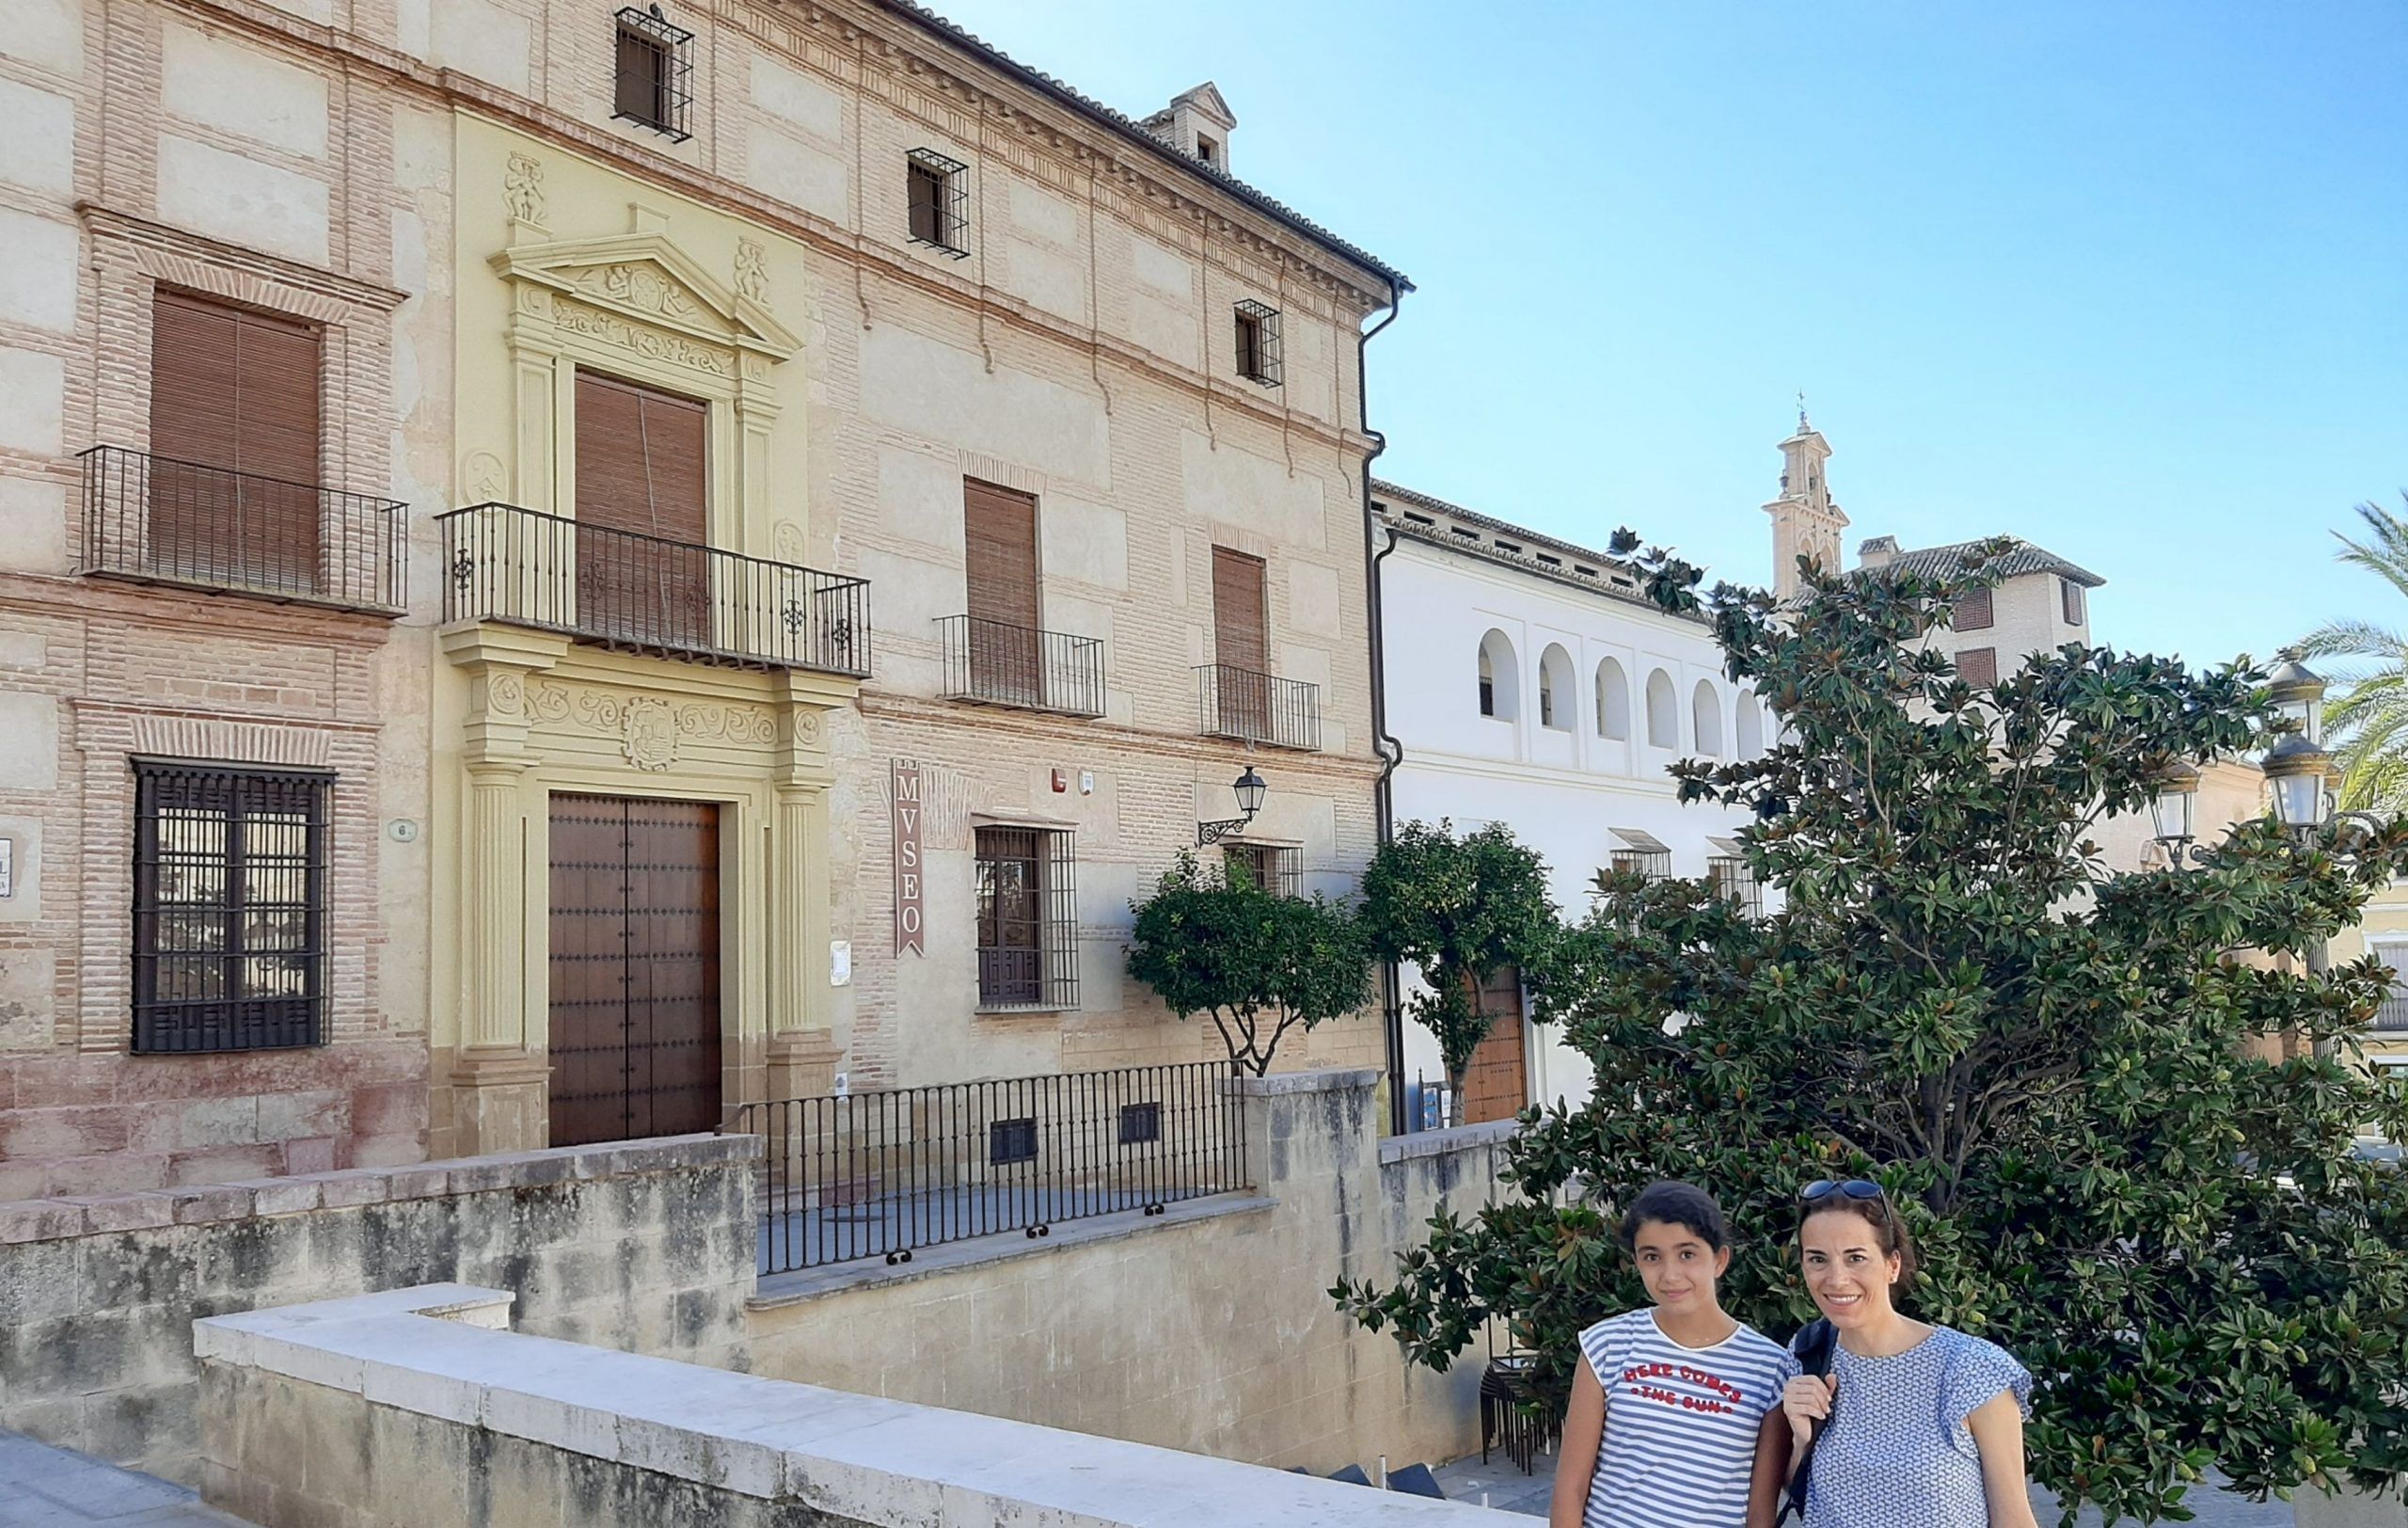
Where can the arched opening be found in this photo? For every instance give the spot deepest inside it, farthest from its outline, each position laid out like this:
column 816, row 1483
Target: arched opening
column 1750, row 727
column 1706, row 719
column 1613, row 702
column 1663, row 712
column 1556, row 704
column 1499, row 690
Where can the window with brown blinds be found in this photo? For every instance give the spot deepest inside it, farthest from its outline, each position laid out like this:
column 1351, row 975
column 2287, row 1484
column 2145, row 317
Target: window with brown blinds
column 1000, row 540
column 1973, row 610
column 1978, row 666
column 234, row 421
column 642, row 563
column 1241, row 642
column 2070, row 592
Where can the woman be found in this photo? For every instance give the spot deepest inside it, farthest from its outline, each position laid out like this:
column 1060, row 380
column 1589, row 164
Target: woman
column 1675, row 1419
column 1925, row 1423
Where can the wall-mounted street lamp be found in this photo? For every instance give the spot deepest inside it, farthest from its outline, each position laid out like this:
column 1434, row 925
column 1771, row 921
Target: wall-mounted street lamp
column 1250, row 791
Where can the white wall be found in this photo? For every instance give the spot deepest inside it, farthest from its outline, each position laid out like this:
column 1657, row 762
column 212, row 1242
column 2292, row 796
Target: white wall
column 1562, row 790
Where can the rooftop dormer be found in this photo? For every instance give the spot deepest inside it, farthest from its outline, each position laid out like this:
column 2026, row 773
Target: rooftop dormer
column 1196, row 122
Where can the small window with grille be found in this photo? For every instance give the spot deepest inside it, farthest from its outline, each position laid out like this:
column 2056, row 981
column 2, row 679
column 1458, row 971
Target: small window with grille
column 1012, row 1140
column 229, row 908
column 939, row 198
column 1141, row 1124
column 2070, row 592
column 1654, row 867
column 1258, row 343
column 1974, row 611
column 1734, row 883
column 1028, row 919
column 655, row 78
column 1270, row 867
column 1978, row 666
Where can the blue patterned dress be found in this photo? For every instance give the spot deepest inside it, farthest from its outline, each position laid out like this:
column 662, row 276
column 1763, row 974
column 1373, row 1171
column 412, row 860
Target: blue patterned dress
column 1897, row 1452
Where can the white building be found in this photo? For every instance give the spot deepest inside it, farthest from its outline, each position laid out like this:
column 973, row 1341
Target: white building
column 1531, row 682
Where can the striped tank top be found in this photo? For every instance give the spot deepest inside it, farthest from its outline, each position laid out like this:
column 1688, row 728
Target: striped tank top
column 1681, row 1423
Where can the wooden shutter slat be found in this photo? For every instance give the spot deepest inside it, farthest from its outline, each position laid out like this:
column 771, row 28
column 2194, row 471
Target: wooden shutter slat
column 193, row 381
column 642, row 467
column 1239, row 639
column 238, row 392
column 1000, row 533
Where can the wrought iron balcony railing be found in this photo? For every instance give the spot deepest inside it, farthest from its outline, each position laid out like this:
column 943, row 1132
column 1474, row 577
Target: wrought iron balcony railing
column 625, row 589
column 166, row 522
column 1003, row 664
column 1258, row 707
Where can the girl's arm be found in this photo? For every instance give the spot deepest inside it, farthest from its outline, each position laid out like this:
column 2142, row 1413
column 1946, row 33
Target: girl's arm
column 1997, row 1427
column 1576, row 1459
column 1772, row 1470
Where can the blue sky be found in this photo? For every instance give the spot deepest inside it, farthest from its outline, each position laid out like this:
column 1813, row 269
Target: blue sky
column 2127, row 279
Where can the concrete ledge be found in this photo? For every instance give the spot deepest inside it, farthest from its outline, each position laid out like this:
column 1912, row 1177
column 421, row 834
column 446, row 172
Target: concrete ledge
column 1333, row 1081
column 780, row 1289
column 1462, row 1138
column 739, row 1437
column 57, row 1219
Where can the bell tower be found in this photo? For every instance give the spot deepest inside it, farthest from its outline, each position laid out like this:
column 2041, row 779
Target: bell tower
column 1806, row 521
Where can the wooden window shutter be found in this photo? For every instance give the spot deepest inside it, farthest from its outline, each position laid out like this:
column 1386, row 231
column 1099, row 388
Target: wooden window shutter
column 1978, row 666
column 193, row 381
column 1239, row 638
column 643, row 69
column 1973, row 610
column 641, row 468
column 233, row 392
column 2070, row 592
column 1000, row 529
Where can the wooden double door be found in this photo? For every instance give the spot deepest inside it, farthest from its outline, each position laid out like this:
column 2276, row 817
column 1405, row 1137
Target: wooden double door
column 634, row 968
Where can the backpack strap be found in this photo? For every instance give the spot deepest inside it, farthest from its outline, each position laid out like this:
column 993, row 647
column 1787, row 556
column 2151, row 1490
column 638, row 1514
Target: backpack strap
column 1812, row 1348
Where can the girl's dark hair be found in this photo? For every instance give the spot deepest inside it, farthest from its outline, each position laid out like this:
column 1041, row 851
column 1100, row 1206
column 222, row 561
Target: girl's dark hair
column 1682, row 1204
column 1889, row 1228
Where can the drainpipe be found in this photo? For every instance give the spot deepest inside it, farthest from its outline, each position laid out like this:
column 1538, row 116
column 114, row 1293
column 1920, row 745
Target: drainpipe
column 1391, row 751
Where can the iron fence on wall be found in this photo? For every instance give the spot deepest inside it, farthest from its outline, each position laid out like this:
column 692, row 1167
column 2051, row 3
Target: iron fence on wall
column 1003, row 664
column 879, row 1175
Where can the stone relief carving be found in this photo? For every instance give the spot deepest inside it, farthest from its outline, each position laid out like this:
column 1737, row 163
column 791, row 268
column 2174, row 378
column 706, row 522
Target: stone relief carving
column 650, row 729
column 752, row 272
column 481, row 476
column 505, row 693
column 649, row 734
column 791, row 544
column 522, row 189
column 641, row 287
column 652, row 344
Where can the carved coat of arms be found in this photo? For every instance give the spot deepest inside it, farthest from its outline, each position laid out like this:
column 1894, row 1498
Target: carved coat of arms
column 649, row 732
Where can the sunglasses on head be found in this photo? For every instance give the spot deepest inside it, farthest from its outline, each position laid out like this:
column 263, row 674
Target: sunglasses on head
column 1823, row 1189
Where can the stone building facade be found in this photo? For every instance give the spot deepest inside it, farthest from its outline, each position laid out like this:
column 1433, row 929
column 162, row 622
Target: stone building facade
column 492, row 501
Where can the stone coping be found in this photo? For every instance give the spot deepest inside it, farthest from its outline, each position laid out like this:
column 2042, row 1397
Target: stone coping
column 1460, row 1137
column 1331, row 1080
column 53, row 1219
column 853, row 1456
column 801, row 1284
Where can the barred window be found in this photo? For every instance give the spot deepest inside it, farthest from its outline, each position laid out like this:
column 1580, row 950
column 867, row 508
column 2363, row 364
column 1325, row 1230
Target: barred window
column 655, row 72
column 1734, row 883
column 229, row 908
column 1269, row 865
column 939, row 201
column 1973, row 610
column 1643, row 853
column 1258, row 343
column 1978, row 666
column 1028, row 911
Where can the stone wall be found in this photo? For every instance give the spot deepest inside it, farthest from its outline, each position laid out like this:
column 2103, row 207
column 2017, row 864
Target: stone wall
column 1213, row 1333
column 647, row 1247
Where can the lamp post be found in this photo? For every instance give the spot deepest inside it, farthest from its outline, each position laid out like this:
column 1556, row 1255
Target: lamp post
column 1250, row 791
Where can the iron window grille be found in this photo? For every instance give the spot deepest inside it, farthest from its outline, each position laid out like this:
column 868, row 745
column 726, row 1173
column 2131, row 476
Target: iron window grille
column 1028, row 910
column 1012, row 1140
column 1267, row 866
column 1258, row 343
column 655, row 79
column 1141, row 1124
column 1736, row 884
column 229, row 908
column 939, row 201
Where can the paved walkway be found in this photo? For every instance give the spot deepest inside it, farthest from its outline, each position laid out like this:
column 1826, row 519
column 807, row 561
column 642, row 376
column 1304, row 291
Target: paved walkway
column 1508, row 1489
column 41, row 1487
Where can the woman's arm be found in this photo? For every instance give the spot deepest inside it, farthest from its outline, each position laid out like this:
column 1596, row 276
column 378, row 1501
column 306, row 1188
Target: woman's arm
column 1997, row 1427
column 1576, row 1459
column 1771, row 1471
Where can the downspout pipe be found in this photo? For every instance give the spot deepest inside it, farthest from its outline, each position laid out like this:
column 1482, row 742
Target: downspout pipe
column 1391, row 751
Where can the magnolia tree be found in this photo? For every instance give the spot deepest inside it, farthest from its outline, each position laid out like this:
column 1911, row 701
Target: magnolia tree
column 1259, row 965
column 1462, row 908
column 2052, row 1067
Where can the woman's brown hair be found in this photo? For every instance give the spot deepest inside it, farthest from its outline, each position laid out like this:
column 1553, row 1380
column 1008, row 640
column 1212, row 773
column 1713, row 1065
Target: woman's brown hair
column 1889, row 1228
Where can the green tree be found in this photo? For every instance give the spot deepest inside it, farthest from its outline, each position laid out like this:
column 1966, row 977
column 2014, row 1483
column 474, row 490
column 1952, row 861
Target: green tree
column 1211, row 942
column 1461, row 909
column 2049, row 1065
column 2370, row 721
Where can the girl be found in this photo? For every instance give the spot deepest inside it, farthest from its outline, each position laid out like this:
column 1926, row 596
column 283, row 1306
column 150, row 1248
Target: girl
column 1927, row 1424
column 1676, row 1418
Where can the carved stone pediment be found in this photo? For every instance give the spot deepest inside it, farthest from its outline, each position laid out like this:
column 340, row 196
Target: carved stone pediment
column 646, row 278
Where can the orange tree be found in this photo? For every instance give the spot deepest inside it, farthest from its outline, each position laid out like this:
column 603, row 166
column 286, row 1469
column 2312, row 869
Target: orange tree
column 2047, row 1063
